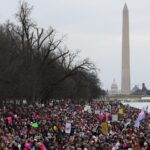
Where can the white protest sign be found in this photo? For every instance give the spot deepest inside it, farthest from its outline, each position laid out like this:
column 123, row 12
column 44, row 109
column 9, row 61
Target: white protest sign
column 97, row 112
column 115, row 117
column 68, row 128
column 87, row 108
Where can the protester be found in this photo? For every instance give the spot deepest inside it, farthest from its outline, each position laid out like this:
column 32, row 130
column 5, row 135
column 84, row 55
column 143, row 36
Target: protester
column 65, row 125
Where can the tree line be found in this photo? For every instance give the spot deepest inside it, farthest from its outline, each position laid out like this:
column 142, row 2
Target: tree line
column 35, row 64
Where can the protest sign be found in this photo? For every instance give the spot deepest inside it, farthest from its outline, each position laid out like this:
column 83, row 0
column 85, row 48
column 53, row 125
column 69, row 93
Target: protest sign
column 121, row 111
column 68, row 128
column 114, row 117
column 97, row 111
column 104, row 128
column 34, row 125
column 107, row 116
column 101, row 117
column 9, row 120
column 87, row 108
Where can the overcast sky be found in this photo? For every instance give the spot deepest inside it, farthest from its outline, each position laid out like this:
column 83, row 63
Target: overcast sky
column 95, row 28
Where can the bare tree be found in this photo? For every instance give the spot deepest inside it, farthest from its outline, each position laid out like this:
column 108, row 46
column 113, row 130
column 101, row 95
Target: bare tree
column 35, row 64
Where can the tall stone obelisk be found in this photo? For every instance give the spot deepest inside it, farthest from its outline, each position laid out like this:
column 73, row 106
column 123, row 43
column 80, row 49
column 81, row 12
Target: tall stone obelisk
column 125, row 79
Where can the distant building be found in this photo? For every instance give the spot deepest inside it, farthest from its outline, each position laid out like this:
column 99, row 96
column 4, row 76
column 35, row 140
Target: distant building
column 137, row 91
column 114, row 88
column 144, row 89
column 135, row 88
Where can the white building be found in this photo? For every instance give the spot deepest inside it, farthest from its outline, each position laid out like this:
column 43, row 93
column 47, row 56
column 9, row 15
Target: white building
column 114, row 88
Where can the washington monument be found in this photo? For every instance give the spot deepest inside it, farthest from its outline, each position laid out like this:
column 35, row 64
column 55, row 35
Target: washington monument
column 125, row 76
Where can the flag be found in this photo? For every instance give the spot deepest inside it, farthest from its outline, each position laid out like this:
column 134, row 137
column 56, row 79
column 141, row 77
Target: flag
column 137, row 124
column 141, row 116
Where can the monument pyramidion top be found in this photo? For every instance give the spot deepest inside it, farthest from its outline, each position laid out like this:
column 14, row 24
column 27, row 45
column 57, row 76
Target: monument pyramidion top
column 125, row 7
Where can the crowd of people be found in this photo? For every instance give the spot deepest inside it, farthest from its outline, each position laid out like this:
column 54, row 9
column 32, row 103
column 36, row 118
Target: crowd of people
column 64, row 125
